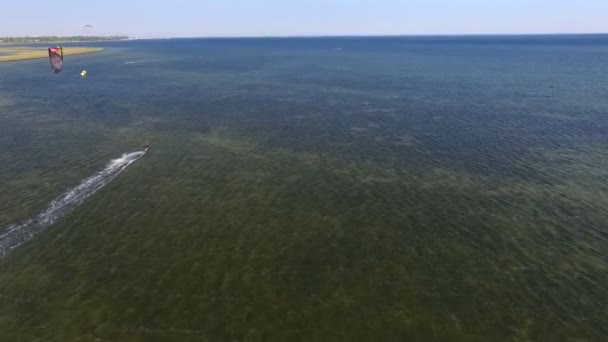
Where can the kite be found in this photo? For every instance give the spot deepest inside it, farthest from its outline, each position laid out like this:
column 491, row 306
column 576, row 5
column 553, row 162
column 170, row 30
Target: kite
column 56, row 59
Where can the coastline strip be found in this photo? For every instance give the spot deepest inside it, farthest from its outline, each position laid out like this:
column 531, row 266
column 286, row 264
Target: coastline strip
column 13, row 54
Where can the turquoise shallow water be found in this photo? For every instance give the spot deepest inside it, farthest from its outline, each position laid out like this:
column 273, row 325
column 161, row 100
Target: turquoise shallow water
column 311, row 189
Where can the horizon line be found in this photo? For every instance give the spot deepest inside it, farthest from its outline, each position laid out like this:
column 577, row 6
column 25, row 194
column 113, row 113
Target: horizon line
column 328, row 35
column 381, row 35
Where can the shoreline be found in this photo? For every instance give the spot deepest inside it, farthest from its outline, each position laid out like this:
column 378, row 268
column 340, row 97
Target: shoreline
column 52, row 42
column 16, row 54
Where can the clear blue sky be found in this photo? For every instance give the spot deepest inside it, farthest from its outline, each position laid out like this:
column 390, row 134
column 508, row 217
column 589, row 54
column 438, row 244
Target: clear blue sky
column 155, row 18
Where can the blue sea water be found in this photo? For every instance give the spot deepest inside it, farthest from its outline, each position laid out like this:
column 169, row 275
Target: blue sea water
column 343, row 188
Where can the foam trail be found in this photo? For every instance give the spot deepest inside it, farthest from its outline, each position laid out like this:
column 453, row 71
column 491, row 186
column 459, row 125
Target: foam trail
column 17, row 234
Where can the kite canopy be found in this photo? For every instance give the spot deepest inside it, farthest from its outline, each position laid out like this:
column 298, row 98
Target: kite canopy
column 56, row 59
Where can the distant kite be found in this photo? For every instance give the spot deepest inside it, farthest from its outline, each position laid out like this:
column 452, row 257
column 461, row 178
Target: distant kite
column 88, row 28
column 56, row 59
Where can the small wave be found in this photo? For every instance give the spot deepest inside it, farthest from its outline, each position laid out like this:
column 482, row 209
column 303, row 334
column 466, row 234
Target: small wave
column 134, row 62
column 17, row 234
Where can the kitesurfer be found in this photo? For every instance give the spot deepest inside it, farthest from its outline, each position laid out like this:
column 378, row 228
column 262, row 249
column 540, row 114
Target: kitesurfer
column 83, row 74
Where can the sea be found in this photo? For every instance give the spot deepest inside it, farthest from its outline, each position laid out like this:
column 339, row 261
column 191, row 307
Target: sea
column 307, row 189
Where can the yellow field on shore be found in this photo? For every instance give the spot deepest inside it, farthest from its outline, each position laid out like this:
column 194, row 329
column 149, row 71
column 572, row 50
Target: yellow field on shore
column 9, row 54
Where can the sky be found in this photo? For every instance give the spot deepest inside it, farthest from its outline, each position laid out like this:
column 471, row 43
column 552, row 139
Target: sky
column 228, row 18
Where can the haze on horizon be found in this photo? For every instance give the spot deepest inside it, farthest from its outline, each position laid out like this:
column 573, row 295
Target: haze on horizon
column 205, row 18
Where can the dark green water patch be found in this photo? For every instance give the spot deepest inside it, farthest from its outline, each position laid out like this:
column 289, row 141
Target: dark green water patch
column 325, row 189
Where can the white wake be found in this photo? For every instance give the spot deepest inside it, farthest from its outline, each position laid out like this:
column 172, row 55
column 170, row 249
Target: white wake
column 17, row 234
